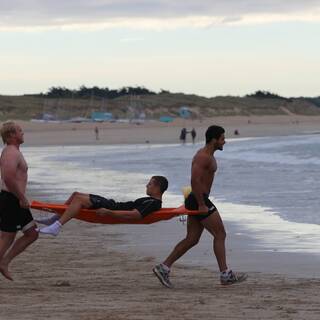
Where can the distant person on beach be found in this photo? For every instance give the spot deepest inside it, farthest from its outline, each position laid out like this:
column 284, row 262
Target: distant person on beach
column 183, row 135
column 193, row 135
column 96, row 131
column 14, row 206
column 236, row 132
column 131, row 210
column 203, row 169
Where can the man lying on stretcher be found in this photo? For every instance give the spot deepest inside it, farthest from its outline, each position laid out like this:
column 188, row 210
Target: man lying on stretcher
column 131, row 210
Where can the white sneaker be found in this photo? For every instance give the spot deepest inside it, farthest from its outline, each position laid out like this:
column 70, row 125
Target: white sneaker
column 52, row 230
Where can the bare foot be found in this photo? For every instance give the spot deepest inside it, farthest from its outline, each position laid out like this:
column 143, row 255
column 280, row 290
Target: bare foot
column 4, row 270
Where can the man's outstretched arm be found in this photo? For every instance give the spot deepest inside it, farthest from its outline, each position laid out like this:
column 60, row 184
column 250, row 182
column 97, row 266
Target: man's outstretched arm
column 128, row 215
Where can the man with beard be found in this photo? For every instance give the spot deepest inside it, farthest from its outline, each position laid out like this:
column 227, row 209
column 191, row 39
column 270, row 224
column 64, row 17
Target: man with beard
column 203, row 169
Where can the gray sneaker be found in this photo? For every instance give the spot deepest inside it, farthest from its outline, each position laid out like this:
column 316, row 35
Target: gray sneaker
column 231, row 278
column 162, row 275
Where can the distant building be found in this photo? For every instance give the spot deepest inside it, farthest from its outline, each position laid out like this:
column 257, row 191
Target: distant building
column 101, row 116
column 184, row 112
column 166, row 119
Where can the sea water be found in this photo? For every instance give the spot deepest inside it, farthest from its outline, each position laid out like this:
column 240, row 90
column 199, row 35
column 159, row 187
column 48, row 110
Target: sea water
column 268, row 188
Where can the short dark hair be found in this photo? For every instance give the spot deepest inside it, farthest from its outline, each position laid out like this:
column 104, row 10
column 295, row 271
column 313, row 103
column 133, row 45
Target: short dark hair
column 214, row 132
column 162, row 182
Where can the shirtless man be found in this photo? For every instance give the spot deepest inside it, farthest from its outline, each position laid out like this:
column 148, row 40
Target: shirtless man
column 203, row 169
column 130, row 210
column 14, row 206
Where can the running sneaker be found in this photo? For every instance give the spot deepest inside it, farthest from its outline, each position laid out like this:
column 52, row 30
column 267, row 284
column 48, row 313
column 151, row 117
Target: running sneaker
column 231, row 278
column 162, row 275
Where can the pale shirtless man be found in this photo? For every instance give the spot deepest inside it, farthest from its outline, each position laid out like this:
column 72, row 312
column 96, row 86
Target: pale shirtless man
column 14, row 206
column 203, row 169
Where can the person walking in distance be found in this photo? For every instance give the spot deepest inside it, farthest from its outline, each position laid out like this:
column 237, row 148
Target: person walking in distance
column 193, row 135
column 183, row 135
column 96, row 131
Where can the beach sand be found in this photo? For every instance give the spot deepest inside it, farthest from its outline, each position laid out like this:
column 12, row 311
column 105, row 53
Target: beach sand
column 80, row 276
column 83, row 275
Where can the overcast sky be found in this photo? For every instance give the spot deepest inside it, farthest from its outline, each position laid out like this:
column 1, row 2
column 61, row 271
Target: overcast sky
column 224, row 47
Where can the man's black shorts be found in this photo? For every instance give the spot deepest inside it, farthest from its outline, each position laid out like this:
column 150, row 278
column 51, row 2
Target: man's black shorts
column 191, row 203
column 144, row 205
column 12, row 216
column 98, row 202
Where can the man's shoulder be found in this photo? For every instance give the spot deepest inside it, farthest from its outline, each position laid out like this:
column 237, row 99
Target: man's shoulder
column 147, row 199
column 10, row 150
column 201, row 155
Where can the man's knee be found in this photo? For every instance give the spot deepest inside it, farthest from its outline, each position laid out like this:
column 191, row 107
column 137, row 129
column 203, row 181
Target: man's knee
column 32, row 234
column 221, row 235
column 192, row 241
column 76, row 195
column 82, row 199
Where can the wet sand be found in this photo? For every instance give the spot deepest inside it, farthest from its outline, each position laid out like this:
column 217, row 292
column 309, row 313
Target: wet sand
column 80, row 275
